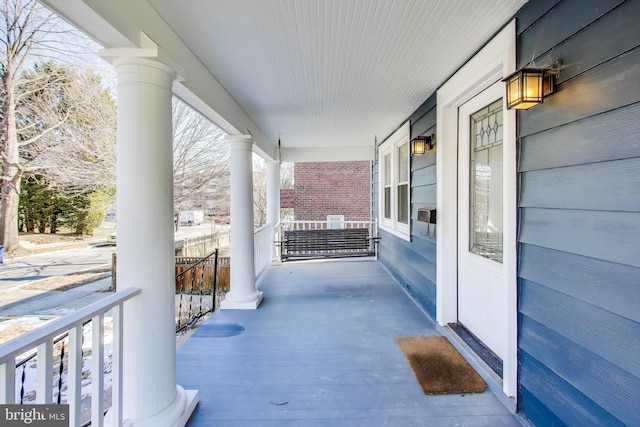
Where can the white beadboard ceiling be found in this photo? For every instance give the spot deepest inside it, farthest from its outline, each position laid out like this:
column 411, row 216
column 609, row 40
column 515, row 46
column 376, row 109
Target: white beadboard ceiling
column 317, row 73
column 311, row 73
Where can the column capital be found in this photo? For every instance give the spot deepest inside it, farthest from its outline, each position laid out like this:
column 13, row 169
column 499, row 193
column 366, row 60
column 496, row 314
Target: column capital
column 136, row 71
column 147, row 54
column 240, row 142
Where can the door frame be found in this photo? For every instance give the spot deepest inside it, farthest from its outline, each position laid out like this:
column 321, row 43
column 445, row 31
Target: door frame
column 494, row 61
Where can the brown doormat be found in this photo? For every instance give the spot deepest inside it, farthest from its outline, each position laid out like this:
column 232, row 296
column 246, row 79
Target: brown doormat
column 438, row 366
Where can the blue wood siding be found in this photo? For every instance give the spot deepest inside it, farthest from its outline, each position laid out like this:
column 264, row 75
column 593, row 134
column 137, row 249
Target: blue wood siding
column 413, row 264
column 579, row 210
column 578, row 216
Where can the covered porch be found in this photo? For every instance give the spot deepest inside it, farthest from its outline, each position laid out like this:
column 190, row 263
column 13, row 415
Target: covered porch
column 321, row 350
column 312, row 81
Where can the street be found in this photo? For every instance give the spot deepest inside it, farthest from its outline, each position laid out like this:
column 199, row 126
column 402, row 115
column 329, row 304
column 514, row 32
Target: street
column 30, row 268
column 200, row 230
column 22, row 270
column 15, row 300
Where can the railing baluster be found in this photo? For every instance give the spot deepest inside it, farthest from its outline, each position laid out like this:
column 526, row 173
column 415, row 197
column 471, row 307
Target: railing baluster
column 60, row 372
column 22, row 378
column 97, row 370
column 180, row 299
column 116, row 367
column 193, row 277
column 215, row 281
column 44, row 391
column 74, row 385
column 8, row 381
column 201, row 288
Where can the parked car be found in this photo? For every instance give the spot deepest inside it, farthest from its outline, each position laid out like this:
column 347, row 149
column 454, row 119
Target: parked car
column 111, row 238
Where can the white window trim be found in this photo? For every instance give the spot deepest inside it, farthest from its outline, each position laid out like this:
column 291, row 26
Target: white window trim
column 335, row 220
column 390, row 146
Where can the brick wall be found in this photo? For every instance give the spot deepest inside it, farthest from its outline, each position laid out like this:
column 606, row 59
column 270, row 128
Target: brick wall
column 332, row 188
column 286, row 198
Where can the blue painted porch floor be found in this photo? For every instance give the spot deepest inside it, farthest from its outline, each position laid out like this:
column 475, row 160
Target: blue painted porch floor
column 321, row 351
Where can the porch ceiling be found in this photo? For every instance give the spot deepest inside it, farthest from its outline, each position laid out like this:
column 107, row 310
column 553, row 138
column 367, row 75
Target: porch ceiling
column 314, row 73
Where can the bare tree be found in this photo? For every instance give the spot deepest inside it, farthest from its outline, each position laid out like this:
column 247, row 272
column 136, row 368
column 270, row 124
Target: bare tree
column 27, row 33
column 286, row 175
column 259, row 191
column 201, row 167
column 80, row 156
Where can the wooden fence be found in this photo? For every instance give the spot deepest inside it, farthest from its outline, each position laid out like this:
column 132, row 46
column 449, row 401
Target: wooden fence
column 204, row 271
column 183, row 263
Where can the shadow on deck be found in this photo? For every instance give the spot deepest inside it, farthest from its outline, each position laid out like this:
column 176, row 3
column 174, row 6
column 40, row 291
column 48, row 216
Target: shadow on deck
column 321, row 351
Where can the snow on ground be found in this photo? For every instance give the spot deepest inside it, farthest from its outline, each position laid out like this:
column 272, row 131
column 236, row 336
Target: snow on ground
column 14, row 326
column 27, row 386
column 29, row 369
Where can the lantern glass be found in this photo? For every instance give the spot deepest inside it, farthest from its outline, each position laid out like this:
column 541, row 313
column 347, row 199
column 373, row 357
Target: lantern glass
column 524, row 88
column 418, row 146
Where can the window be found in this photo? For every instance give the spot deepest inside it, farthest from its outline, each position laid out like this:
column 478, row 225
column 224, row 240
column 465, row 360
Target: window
column 335, row 222
column 387, row 186
column 403, row 183
column 395, row 175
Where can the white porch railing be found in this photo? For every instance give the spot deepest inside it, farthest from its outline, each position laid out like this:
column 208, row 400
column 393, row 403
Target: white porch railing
column 263, row 242
column 43, row 339
column 323, row 225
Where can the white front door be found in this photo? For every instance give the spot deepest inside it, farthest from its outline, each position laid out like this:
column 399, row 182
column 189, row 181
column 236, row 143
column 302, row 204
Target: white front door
column 482, row 305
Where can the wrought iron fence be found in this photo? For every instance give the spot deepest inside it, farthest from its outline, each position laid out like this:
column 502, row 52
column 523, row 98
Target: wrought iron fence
column 196, row 288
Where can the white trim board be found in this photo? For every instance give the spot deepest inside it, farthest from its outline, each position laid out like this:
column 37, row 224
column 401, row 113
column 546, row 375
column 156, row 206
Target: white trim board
column 390, row 146
column 496, row 60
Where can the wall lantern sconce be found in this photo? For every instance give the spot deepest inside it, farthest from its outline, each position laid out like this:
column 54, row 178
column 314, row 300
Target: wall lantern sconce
column 420, row 145
column 528, row 86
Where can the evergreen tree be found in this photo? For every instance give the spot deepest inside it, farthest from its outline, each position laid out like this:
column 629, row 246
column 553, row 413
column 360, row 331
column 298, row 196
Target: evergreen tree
column 35, row 101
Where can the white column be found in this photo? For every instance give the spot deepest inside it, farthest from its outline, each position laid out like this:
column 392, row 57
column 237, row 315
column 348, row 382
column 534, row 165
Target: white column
column 146, row 244
column 243, row 293
column 273, row 199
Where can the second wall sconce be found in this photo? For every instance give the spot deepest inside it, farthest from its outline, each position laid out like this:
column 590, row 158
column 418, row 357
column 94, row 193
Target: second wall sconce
column 420, row 144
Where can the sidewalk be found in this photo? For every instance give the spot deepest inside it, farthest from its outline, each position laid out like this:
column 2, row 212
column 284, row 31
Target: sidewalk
column 22, row 302
column 54, row 247
column 24, row 307
column 24, row 310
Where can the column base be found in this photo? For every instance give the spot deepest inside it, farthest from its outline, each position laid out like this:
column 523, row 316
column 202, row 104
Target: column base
column 192, row 401
column 244, row 303
column 175, row 415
